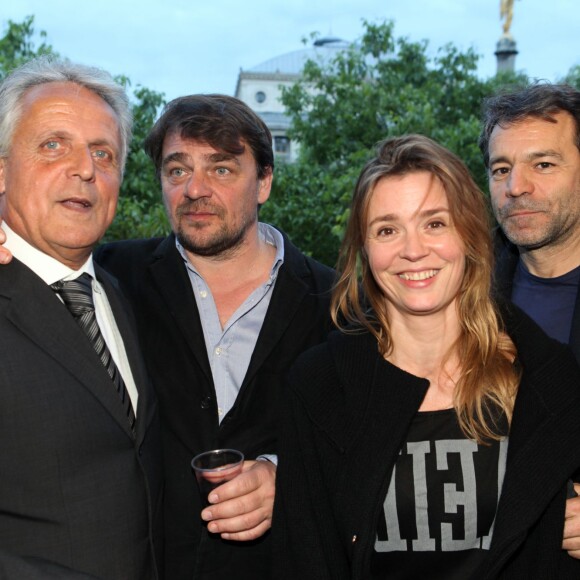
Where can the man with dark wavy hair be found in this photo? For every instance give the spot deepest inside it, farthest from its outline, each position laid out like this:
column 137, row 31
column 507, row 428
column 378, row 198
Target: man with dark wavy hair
column 531, row 147
column 225, row 304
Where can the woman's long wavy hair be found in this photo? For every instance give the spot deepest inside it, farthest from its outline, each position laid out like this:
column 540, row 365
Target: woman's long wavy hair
column 488, row 379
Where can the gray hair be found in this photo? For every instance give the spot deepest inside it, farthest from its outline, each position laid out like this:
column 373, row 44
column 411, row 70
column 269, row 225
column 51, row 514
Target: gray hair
column 48, row 69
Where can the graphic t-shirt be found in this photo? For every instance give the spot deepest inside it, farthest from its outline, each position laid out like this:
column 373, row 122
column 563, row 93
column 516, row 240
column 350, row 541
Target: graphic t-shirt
column 437, row 517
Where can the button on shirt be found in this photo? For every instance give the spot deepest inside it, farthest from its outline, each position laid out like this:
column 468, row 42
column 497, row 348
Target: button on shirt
column 230, row 349
column 50, row 271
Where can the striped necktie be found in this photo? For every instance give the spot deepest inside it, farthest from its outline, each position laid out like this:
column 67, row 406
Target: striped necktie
column 78, row 298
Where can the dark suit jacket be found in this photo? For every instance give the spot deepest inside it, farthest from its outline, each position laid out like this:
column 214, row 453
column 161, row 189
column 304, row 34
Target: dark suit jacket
column 507, row 257
column 154, row 277
column 346, row 417
column 79, row 494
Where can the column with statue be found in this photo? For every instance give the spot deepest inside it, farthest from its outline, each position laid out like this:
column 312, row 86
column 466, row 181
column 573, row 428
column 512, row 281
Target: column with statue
column 506, row 46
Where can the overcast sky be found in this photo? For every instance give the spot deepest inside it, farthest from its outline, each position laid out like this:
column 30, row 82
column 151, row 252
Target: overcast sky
column 189, row 46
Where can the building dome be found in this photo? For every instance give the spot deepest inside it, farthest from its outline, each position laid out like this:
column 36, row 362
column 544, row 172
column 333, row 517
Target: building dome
column 323, row 50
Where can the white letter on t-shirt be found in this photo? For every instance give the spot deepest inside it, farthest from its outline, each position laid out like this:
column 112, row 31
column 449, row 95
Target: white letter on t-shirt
column 454, row 498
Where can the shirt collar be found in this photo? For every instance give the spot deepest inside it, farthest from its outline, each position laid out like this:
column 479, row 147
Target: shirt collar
column 267, row 233
column 46, row 267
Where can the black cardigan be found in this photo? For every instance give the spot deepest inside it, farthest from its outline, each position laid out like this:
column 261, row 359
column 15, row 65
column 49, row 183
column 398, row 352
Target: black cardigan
column 346, row 407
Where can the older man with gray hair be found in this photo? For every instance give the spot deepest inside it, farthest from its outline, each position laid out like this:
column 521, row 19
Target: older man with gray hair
column 80, row 485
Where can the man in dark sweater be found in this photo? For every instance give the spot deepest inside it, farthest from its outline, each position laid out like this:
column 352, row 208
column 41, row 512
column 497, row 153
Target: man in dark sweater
column 531, row 147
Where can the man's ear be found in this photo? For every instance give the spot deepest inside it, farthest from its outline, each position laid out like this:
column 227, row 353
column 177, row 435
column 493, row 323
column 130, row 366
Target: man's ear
column 265, row 186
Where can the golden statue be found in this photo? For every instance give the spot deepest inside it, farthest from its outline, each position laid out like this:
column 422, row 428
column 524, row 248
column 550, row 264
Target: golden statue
column 506, row 11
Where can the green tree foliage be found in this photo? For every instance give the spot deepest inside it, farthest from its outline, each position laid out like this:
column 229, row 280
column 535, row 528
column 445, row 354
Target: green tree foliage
column 17, row 45
column 140, row 212
column 382, row 86
column 573, row 77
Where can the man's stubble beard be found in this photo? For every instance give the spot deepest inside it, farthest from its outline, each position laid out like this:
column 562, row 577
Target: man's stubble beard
column 557, row 230
column 221, row 245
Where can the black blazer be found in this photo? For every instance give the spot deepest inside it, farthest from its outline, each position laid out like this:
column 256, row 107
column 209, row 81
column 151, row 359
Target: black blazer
column 80, row 496
column 347, row 415
column 154, row 276
column 507, row 257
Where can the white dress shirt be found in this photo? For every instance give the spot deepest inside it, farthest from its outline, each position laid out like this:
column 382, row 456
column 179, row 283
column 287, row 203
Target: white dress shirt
column 50, row 271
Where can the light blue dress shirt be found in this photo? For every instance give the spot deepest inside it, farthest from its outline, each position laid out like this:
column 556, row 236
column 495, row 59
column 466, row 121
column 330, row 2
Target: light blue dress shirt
column 230, row 349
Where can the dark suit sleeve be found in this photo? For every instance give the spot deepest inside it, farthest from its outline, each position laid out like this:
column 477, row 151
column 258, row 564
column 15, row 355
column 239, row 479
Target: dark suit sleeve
column 13, row 567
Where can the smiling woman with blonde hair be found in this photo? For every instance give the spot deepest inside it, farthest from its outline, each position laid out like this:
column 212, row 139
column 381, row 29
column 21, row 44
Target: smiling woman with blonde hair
column 433, row 435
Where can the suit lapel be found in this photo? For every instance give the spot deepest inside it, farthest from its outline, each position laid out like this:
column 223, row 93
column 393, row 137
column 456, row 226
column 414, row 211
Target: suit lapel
column 171, row 279
column 288, row 295
column 37, row 312
column 288, row 298
column 126, row 325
